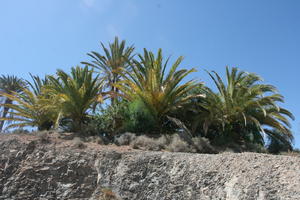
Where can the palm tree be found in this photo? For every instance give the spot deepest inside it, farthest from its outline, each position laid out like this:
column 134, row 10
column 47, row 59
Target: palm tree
column 31, row 109
column 243, row 109
column 279, row 142
column 9, row 85
column 77, row 93
column 160, row 91
column 38, row 83
column 116, row 58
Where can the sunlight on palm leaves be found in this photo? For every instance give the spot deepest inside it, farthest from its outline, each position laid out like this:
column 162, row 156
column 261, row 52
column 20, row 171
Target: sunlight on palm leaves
column 116, row 58
column 242, row 103
column 9, row 85
column 160, row 91
column 31, row 110
column 37, row 83
column 77, row 93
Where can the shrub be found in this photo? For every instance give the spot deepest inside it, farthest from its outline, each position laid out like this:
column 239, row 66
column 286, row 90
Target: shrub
column 119, row 118
column 198, row 145
column 138, row 118
column 203, row 145
column 125, row 138
column 178, row 145
column 146, row 143
column 78, row 143
column 111, row 120
column 172, row 143
column 95, row 139
column 254, row 147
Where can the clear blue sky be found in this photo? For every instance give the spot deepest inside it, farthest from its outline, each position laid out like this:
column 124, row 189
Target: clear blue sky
column 261, row 36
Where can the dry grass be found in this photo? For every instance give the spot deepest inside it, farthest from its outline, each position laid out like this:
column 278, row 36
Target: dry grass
column 178, row 145
column 203, row 145
column 78, row 143
column 295, row 153
column 125, row 139
column 146, row 143
column 172, row 143
column 108, row 194
column 94, row 139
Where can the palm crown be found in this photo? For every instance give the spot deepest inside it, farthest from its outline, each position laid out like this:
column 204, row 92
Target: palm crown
column 116, row 58
column 31, row 109
column 160, row 91
column 242, row 105
column 9, row 85
column 76, row 93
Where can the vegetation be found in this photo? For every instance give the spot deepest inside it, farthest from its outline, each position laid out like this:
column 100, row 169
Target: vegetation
column 9, row 85
column 110, row 65
column 31, row 110
column 77, row 93
column 158, row 90
column 279, row 142
column 153, row 99
column 243, row 110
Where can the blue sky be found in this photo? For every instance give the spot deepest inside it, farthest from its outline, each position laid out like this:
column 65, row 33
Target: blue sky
column 261, row 36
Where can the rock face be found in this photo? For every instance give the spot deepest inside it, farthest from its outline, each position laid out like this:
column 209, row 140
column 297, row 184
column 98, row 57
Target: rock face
column 30, row 169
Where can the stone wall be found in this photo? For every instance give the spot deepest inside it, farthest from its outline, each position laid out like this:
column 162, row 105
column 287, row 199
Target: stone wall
column 30, row 169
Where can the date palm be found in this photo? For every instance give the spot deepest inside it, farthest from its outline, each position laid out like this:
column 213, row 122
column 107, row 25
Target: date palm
column 76, row 92
column 160, row 90
column 242, row 107
column 30, row 109
column 116, row 58
column 278, row 142
column 38, row 84
column 9, row 85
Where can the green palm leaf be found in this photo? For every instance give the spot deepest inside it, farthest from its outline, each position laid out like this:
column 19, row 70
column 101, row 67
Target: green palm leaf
column 116, row 59
column 160, row 91
column 77, row 93
column 243, row 103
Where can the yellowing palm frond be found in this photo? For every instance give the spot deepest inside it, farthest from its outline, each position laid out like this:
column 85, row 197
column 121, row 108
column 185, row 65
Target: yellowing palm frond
column 243, row 102
column 160, row 90
column 30, row 110
column 116, row 58
column 77, row 93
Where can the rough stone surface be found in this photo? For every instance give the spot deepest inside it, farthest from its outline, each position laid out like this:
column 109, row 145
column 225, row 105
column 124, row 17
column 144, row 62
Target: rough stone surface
column 33, row 170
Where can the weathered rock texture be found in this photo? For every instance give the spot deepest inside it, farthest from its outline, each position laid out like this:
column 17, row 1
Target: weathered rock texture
column 30, row 169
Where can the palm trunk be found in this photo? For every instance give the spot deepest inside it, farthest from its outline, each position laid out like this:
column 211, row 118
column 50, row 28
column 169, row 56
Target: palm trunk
column 113, row 99
column 5, row 112
column 114, row 90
